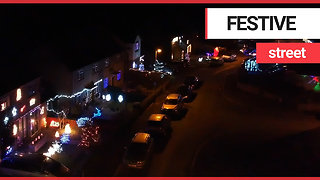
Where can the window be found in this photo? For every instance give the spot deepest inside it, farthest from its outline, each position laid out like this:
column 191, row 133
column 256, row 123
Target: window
column 19, row 96
column 119, row 76
column 32, row 101
column 80, row 75
column 136, row 46
column 3, row 106
column 106, row 82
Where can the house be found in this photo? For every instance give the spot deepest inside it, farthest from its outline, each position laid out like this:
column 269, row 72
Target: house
column 23, row 114
column 180, row 48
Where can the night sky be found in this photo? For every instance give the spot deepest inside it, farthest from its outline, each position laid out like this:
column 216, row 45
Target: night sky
column 35, row 37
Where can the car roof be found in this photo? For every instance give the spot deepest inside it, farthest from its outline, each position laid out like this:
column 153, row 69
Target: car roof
column 140, row 138
column 173, row 96
column 156, row 117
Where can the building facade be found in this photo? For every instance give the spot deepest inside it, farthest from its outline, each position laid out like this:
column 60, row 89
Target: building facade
column 23, row 114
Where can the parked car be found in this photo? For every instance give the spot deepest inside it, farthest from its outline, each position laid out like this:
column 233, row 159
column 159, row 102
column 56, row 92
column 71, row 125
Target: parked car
column 229, row 58
column 192, row 81
column 185, row 91
column 158, row 125
column 139, row 151
column 173, row 104
column 24, row 164
column 217, row 61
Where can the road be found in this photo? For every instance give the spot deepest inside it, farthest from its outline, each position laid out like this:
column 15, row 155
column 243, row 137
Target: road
column 226, row 132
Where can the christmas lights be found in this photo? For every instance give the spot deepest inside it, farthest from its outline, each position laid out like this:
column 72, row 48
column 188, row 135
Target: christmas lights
column 69, row 97
column 67, row 129
column 120, row 98
column 56, row 147
column 19, row 96
column 108, row 97
column 98, row 114
column 14, row 111
column 32, row 101
column 8, row 150
column 15, row 130
column 65, row 138
column 3, row 106
column 6, row 120
column 82, row 121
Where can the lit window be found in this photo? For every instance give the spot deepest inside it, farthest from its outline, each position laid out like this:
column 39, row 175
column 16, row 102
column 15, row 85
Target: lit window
column 3, row 106
column 23, row 108
column 106, row 83
column 32, row 101
column 119, row 76
column 19, row 96
column 15, row 130
column 42, row 110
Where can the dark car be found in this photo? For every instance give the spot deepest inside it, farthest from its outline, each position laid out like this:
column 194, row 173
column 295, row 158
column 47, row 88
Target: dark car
column 185, row 91
column 158, row 125
column 32, row 165
column 192, row 81
column 216, row 61
column 139, row 151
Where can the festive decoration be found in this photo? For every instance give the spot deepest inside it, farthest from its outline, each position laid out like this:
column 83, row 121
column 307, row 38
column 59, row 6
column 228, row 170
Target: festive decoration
column 54, row 124
column 251, row 65
column 120, row 98
column 8, row 150
column 3, row 106
column 67, row 129
column 44, row 120
column 19, row 94
column 54, row 148
column 69, row 97
column 89, row 136
column 65, row 138
column 216, row 52
column 15, row 130
column 108, row 97
column 32, row 101
column 57, row 135
column 23, row 108
column 6, row 120
column 82, row 121
column 98, row 114
column 42, row 110
column 14, row 111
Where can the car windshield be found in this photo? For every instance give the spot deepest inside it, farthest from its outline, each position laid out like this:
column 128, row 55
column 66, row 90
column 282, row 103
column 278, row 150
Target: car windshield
column 171, row 101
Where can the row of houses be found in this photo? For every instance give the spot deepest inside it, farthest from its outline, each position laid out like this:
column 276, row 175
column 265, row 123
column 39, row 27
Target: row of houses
column 23, row 108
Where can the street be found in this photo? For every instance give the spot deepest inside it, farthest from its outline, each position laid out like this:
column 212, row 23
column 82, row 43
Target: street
column 226, row 132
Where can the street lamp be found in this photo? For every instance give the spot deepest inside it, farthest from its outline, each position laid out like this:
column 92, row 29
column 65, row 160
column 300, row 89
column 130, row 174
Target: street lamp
column 156, row 54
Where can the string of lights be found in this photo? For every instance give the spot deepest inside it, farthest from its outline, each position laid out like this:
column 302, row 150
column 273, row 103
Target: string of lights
column 69, row 97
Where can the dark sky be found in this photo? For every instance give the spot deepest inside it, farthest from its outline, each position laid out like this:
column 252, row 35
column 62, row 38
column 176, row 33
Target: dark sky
column 34, row 37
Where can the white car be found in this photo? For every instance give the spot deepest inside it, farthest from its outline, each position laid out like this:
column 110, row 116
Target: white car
column 173, row 104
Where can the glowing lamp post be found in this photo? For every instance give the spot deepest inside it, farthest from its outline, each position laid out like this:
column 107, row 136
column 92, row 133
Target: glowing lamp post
column 156, row 54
